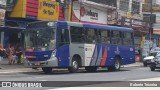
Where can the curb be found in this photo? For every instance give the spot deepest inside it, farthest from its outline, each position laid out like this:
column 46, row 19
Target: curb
column 137, row 64
column 13, row 71
column 20, row 68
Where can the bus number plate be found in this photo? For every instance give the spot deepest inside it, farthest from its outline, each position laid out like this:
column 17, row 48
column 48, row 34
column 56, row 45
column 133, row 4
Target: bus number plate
column 37, row 63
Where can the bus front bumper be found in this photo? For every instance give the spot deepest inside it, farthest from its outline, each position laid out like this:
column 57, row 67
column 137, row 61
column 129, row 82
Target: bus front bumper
column 53, row 62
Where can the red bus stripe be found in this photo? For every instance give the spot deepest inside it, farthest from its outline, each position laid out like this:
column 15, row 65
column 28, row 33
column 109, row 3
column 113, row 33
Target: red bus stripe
column 104, row 58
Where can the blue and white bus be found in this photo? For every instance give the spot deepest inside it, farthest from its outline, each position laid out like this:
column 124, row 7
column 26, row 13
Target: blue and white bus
column 61, row 44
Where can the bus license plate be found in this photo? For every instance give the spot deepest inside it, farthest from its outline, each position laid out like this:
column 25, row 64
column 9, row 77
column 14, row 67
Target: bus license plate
column 37, row 63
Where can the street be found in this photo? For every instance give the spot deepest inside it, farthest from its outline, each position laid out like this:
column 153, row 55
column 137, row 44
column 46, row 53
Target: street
column 126, row 74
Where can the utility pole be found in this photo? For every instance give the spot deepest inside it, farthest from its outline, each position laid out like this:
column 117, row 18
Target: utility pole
column 80, row 2
column 151, row 22
column 66, row 7
column 116, row 17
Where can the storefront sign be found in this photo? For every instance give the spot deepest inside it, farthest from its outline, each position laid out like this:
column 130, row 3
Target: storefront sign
column 134, row 22
column 48, row 10
column 147, row 8
column 36, row 9
column 2, row 14
column 32, row 9
column 88, row 14
column 19, row 10
column 137, row 22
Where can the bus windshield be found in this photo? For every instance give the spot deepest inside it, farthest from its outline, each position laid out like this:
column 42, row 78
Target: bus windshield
column 40, row 39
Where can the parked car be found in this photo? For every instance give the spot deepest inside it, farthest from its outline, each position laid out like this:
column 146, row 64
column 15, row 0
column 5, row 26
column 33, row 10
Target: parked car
column 147, row 60
column 155, row 62
column 153, row 53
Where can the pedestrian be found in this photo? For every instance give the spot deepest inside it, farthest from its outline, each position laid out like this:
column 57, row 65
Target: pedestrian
column 18, row 54
column 2, row 53
column 11, row 54
column 8, row 54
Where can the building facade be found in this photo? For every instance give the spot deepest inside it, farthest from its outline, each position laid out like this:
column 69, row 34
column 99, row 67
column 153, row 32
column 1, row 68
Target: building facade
column 94, row 11
column 21, row 12
column 130, row 15
column 127, row 13
column 2, row 18
column 151, row 14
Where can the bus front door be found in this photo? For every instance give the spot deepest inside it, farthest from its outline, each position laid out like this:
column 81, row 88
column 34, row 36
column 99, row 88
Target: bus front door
column 63, row 47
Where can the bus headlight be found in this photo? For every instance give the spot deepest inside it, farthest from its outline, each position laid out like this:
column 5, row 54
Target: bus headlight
column 54, row 53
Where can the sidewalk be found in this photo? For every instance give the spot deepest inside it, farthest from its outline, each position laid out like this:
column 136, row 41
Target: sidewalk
column 12, row 68
column 8, row 69
column 4, row 65
column 137, row 64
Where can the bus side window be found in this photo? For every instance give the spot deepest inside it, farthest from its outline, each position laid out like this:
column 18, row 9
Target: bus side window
column 77, row 34
column 105, row 36
column 63, row 36
column 116, row 37
column 91, row 35
column 127, row 38
column 98, row 34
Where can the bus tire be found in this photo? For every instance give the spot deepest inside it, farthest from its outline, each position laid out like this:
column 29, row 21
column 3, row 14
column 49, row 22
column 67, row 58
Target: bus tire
column 152, row 68
column 116, row 66
column 47, row 70
column 145, row 64
column 91, row 68
column 74, row 66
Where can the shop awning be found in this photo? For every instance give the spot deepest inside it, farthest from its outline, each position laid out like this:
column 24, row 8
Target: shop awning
column 98, row 5
column 11, row 29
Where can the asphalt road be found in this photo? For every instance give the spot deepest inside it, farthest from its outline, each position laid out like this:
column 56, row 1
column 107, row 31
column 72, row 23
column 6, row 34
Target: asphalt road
column 126, row 74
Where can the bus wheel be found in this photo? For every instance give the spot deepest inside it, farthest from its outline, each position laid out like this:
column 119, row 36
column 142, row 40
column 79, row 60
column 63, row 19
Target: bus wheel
column 75, row 65
column 91, row 69
column 152, row 68
column 145, row 64
column 116, row 66
column 47, row 70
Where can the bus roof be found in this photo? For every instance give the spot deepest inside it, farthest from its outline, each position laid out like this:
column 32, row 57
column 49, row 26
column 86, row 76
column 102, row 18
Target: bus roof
column 89, row 25
column 98, row 26
column 108, row 27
